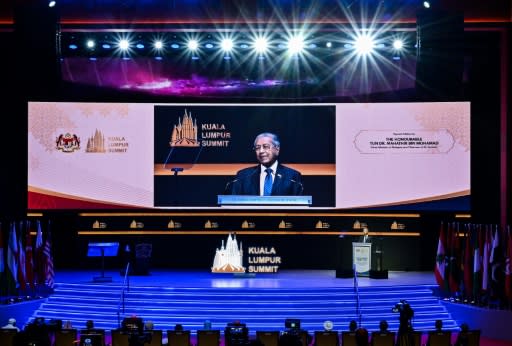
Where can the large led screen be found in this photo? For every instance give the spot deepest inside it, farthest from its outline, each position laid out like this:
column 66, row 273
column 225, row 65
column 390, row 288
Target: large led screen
column 405, row 156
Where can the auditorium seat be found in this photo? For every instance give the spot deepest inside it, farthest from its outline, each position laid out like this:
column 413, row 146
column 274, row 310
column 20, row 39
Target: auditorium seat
column 439, row 338
column 118, row 338
column 348, row 338
column 472, row 337
column 7, row 336
column 94, row 331
column 383, row 339
column 268, row 338
column 156, row 337
column 66, row 337
column 326, row 338
column 208, row 337
column 178, row 337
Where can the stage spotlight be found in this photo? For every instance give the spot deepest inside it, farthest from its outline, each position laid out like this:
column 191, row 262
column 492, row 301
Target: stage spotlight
column 426, row 4
column 328, row 44
column 124, row 44
column 52, row 3
column 158, row 44
column 226, row 44
column 398, row 44
column 73, row 46
column 192, row 45
column 90, row 44
column 139, row 46
column 296, row 45
column 364, row 44
column 260, row 45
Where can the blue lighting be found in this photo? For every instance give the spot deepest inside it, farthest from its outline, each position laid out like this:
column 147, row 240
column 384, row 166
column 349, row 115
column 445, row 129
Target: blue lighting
column 175, row 46
column 73, row 46
column 139, row 46
column 209, row 45
column 106, row 46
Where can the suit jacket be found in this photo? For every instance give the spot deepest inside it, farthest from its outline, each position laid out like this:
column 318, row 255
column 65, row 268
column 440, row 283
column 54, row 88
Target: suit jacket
column 287, row 182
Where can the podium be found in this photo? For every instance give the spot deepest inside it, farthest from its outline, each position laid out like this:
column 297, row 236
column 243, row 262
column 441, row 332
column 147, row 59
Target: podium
column 248, row 200
column 102, row 250
column 362, row 258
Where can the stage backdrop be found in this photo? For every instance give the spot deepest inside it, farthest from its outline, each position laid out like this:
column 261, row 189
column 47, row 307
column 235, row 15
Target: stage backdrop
column 370, row 156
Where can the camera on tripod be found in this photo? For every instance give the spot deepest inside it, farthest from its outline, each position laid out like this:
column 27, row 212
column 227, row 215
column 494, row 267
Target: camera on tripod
column 133, row 327
column 236, row 334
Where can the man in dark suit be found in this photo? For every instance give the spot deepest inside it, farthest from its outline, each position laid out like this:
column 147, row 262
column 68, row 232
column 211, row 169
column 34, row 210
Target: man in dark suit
column 365, row 238
column 269, row 178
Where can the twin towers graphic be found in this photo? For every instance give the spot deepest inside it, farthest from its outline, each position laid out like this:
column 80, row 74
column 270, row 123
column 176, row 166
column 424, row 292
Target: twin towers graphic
column 185, row 133
column 228, row 259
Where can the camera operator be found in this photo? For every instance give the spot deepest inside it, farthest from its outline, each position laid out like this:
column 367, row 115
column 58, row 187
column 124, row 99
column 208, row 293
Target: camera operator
column 405, row 329
column 133, row 327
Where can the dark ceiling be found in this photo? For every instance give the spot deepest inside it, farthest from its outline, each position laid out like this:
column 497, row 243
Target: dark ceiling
column 116, row 12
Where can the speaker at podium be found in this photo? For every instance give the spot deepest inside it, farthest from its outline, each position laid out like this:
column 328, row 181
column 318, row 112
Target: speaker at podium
column 362, row 257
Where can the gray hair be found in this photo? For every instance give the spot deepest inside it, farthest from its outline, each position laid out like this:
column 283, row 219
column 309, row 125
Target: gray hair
column 272, row 136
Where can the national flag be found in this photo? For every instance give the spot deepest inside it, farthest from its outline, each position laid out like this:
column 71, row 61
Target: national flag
column 485, row 259
column 455, row 257
column 468, row 268
column 508, row 267
column 21, row 259
column 49, row 270
column 440, row 258
column 494, row 258
column 39, row 260
column 2, row 261
column 12, row 255
column 29, row 263
column 477, row 262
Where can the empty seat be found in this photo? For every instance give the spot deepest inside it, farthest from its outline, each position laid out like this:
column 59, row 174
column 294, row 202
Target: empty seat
column 268, row 338
column 326, row 338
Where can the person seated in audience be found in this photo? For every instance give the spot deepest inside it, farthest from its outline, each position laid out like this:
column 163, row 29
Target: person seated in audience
column 438, row 325
column 361, row 337
column 11, row 324
column 149, row 325
column 462, row 337
column 383, row 326
column 352, row 326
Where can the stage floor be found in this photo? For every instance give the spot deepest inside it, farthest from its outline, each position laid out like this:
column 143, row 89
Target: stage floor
column 282, row 279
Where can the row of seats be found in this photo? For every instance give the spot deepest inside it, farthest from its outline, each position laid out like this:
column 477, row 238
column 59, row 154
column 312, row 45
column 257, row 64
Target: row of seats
column 69, row 337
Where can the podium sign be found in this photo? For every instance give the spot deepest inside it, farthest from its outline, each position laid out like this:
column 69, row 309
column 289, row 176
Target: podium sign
column 362, row 258
column 264, row 200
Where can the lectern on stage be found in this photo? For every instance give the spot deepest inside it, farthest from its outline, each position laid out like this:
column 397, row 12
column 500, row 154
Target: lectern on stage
column 362, row 258
column 102, row 250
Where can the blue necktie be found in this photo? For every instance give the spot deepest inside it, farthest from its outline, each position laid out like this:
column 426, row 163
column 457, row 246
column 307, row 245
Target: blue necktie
column 267, row 186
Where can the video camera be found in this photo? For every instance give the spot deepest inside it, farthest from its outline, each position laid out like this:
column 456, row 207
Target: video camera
column 134, row 328
column 236, row 334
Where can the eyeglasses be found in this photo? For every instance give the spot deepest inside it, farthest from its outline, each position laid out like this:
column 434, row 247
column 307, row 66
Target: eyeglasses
column 264, row 147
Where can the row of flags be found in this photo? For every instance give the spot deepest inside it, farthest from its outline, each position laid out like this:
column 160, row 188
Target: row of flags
column 473, row 263
column 26, row 262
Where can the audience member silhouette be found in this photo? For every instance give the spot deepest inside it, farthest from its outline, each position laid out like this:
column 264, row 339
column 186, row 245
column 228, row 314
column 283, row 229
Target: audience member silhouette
column 383, row 326
column 352, row 326
column 361, row 337
column 462, row 337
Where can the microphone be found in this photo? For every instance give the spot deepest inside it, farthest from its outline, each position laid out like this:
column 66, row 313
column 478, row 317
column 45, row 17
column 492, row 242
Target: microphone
column 300, row 184
column 229, row 184
column 294, row 182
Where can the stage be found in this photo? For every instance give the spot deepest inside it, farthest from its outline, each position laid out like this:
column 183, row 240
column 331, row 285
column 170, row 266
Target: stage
column 282, row 279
